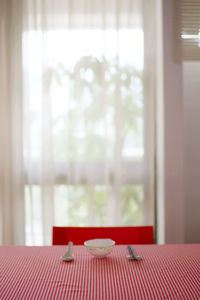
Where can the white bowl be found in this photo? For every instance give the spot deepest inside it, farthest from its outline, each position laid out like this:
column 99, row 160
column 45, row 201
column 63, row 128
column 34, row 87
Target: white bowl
column 100, row 248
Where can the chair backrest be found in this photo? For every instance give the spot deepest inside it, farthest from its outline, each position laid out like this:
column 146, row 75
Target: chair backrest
column 121, row 235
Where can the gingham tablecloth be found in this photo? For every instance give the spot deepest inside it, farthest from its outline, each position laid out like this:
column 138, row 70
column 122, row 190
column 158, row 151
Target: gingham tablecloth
column 165, row 272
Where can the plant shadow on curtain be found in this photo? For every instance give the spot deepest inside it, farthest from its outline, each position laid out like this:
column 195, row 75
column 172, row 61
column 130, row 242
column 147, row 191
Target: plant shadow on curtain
column 88, row 130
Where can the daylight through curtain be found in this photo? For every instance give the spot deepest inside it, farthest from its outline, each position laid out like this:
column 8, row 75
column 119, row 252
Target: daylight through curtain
column 88, row 90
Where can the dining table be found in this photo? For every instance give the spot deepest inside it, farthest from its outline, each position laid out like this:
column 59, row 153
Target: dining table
column 170, row 271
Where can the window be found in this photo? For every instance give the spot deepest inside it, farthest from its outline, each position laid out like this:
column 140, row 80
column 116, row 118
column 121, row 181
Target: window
column 87, row 137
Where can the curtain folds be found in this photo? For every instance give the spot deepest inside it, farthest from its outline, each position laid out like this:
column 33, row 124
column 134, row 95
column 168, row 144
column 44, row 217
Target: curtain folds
column 77, row 116
column 11, row 124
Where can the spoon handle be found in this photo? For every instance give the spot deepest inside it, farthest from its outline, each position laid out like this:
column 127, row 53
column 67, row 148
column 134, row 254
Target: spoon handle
column 69, row 250
column 131, row 251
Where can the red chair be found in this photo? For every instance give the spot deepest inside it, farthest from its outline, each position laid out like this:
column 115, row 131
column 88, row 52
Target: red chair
column 121, row 235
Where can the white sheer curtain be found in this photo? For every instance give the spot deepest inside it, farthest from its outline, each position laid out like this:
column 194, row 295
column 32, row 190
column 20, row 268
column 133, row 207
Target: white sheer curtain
column 87, row 115
column 11, row 138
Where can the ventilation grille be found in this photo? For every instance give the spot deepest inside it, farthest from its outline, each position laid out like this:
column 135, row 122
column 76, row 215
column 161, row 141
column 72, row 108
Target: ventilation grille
column 187, row 29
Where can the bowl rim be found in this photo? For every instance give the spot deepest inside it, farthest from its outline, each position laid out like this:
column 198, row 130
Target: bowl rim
column 100, row 246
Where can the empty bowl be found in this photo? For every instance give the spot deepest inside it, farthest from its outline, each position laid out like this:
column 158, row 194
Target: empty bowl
column 99, row 248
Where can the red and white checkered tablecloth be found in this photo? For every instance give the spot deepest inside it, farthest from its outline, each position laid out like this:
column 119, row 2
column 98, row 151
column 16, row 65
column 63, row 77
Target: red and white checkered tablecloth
column 165, row 272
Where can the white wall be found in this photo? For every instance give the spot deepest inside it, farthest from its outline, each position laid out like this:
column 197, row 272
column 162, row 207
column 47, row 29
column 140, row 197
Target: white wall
column 170, row 183
column 191, row 72
column 178, row 133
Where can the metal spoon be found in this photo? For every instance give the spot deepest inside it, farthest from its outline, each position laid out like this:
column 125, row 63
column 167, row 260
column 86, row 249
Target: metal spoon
column 68, row 256
column 132, row 254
